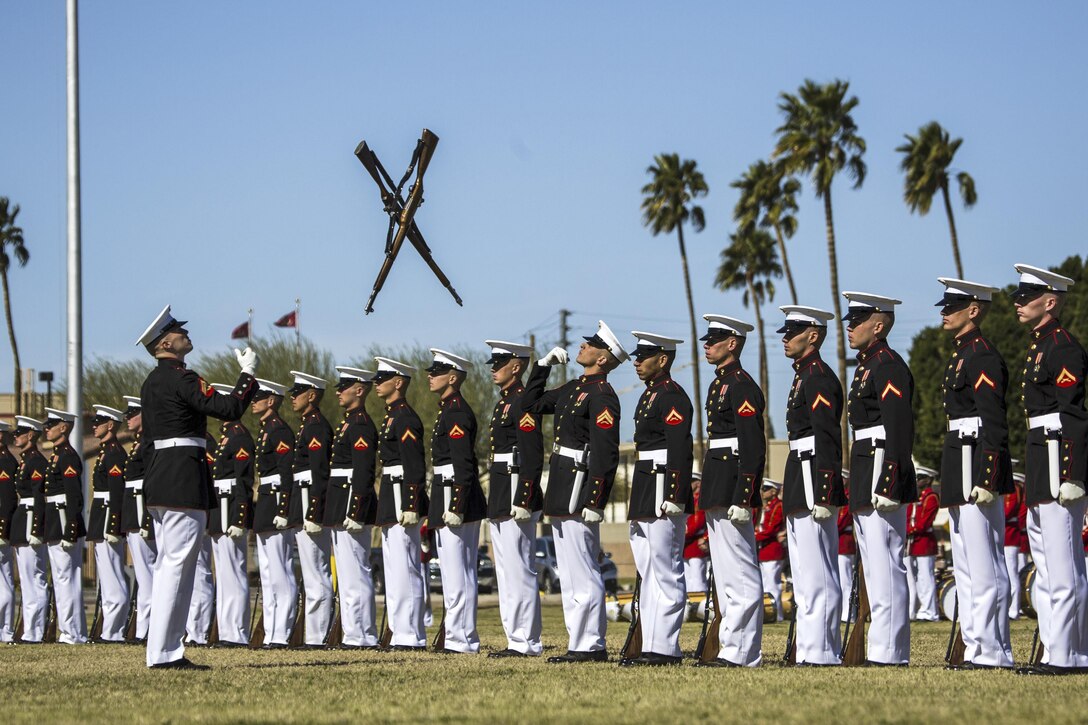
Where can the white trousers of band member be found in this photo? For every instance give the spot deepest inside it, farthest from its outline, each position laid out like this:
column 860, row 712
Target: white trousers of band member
column 314, row 551
column 695, row 574
column 458, row 554
column 846, row 583
column 425, row 573
column 279, row 590
column 514, row 544
column 977, row 534
column 658, row 549
column 880, row 537
column 739, row 588
column 109, row 559
column 178, row 536
column 143, row 553
column 577, row 554
column 199, row 621
column 1012, row 566
column 231, row 588
column 771, row 573
column 7, row 593
column 922, row 587
column 817, row 589
column 355, row 585
column 34, row 589
column 1060, row 588
column 401, row 557
column 67, row 568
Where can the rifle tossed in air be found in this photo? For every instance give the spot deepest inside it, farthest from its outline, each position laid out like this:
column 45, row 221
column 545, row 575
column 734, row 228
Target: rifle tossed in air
column 402, row 212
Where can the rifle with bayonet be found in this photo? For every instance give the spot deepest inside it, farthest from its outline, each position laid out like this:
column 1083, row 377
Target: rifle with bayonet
column 402, row 211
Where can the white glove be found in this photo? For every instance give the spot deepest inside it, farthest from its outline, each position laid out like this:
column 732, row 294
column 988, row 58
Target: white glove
column 556, row 355
column 67, row 545
column 1070, row 492
column 884, row 504
column 4, row 542
column 821, row 513
column 981, row 496
column 311, row 528
column 111, row 539
column 670, row 509
column 235, row 532
column 739, row 514
column 145, row 533
column 247, row 360
column 279, row 522
column 451, row 519
column 35, row 541
column 408, row 518
column 521, row 514
column 592, row 515
column 352, row 526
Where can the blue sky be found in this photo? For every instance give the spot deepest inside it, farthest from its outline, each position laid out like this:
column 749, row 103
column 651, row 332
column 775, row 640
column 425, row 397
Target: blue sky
column 218, row 172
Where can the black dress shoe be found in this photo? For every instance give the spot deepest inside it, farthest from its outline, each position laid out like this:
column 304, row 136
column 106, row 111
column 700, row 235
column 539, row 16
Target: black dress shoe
column 817, row 664
column 871, row 663
column 223, row 644
column 507, row 653
column 969, row 666
column 650, row 659
column 182, row 664
column 274, row 645
column 575, row 656
column 1049, row 670
column 406, row 648
column 357, row 647
column 448, row 651
column 717, row 663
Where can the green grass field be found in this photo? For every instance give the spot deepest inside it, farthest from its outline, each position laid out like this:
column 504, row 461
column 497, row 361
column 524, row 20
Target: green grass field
column 52, row 683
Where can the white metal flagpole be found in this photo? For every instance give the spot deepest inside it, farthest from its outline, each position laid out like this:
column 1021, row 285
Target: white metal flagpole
column 75, row 263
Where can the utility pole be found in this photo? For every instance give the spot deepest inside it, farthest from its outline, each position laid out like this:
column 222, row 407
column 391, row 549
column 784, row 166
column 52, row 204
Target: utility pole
column 564, row 341
column 75, row 261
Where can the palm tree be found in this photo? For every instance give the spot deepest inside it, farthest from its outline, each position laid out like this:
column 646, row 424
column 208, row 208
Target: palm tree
column 818, row 137
column 667, row 205
column 748, row 263
column 12, row 236
column 768, row 197
column 926, row 158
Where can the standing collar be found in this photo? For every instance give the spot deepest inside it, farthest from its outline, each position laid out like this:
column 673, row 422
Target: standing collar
column 872, row 350
column 807, row 360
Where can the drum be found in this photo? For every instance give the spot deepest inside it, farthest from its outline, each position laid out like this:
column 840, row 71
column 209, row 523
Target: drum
column 946, row 597
column 787, row 600
column 1026, row 591
column 770, row 612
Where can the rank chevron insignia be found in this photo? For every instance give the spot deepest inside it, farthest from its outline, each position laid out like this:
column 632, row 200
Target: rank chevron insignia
column 36, row 476
column 605, row 419
column 70, row 472
column 889, row 388
column 820, row 400
column 983, row 379
column 116, row 471
column 746, row 409
column 1065, row 379
column 314, row 445
column 360, row 445
column 4, row 476
column 408, row 435
column 527, row 423
column 457, row 432
column 674, row 417
column 282, row 447
column 242, row 454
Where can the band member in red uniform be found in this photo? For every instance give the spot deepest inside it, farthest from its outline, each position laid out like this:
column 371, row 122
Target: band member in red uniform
column 1013, row 536
column 696, row 545
column 770, row 535
column 922, row 549
column 848, row 551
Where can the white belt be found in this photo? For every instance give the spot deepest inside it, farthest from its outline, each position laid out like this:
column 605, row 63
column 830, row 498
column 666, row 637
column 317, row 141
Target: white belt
column 873, row 432
column 137, row 485
column 507, row 458
column 306, row 477
column 341, row 472
column 731, row 443
column 27, row 501
column 963, row 426
column 659, row 456
column 58, row 499
column 1050, row 421
column 273, row 480
column 180, row 442
column 446, row 471
column 573, row 453
column 102, row 495
column 224, row 485
column 393, row 471
column 804, row 445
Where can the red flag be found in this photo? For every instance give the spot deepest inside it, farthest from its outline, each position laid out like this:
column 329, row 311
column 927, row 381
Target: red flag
column 288, row 320
column 241, row 332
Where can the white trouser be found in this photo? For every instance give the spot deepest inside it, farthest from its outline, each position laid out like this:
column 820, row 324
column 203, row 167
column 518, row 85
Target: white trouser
column 314, row 551
column 143, row 553
column 401, row 560
column 658, row 549
column 231, row 588
column 178, row 536
column 67, row 568
column 1012, row 567
column 425, row 573
column 355, row 585
column 199, row 621
column 922, row 587
column 279, row 590
column 880, row 537
column 1060, row 588
column 34, row 589
column 982, row 586
column 846, row 583
column 7, row 593
column 739, row 588
column 577, row 549
column 109, row 559
column 458, row 553
column 771, row 574
column 514, row 545
column 817, row 589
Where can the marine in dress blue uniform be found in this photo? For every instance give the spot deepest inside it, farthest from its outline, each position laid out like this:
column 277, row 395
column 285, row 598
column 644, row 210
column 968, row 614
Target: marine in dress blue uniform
column 64, row 527
column 104, row 528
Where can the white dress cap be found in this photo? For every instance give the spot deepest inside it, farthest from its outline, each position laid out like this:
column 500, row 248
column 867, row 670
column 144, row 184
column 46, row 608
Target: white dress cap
column 650, row 343
column 133, row 402
column 502, row 350
column 800, row 316
column 105, row 411
column 722, row 326
column 161, row 325
column 865, row 303
column 606, row 337
column 267, row 386
column 447, row 360
column 1042, row 279
column 22, row 421
column 354, row 374
column 960, row 290
column 305, row 381
column 55, row 414
column 388, row 368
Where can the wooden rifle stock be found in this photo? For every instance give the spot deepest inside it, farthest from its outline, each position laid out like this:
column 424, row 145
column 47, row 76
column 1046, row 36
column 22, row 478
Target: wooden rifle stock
column 710, row 642
column 50, row 634
column 954, row 654
column 1037, row 649
column 256, row 637
column 853, row 654
column 213, row 628
column 439, row 642
column 96, row 619
column 131, row 624
column 790, row 657
column 632, row 646
column 298, row 631
column 387, row 634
